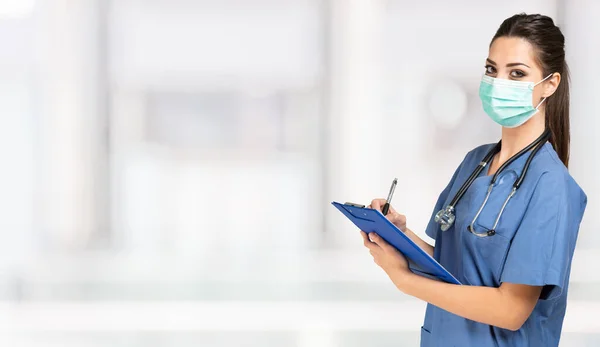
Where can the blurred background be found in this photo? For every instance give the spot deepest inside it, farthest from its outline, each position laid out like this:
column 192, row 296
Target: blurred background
column 168, row 164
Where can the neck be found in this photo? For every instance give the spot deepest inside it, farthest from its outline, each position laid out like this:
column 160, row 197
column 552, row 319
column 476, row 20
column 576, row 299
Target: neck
column 515, row 139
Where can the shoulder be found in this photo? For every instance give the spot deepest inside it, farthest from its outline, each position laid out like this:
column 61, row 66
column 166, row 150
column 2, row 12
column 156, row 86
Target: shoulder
column 478, row 153
column 472, row 159
column 552, row 178
column 481, row 151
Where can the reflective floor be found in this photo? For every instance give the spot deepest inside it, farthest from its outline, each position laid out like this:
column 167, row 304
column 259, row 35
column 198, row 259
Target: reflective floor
column 252, row 339
column 317, row 299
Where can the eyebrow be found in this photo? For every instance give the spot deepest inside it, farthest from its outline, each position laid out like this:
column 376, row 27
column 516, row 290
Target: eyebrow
column 516, row 64
column 507, row 65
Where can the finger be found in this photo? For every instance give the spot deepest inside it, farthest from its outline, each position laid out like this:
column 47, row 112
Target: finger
column 367, row 242
column 380, row 242
column 375, row 250
column 364, row 236
column 375, row 256
column 396, row 218
column 391, row 210
column 377, row 204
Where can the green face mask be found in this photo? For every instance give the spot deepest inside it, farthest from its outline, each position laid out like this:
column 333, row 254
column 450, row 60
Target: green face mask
column 508, row 103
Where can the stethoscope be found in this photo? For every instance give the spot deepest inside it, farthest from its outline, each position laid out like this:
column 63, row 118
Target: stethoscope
column 445, row 217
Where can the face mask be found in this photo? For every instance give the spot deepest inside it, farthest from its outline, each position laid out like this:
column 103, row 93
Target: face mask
column 508, row 102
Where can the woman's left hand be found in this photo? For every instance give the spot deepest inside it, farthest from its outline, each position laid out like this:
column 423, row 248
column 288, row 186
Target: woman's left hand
column 386, row 256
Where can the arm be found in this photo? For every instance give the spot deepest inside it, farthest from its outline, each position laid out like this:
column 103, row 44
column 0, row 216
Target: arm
column 507, row 307
column 419, row 241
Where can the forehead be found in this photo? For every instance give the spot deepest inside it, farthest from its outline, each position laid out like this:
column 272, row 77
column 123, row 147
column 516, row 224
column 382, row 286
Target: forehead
column 507, row 50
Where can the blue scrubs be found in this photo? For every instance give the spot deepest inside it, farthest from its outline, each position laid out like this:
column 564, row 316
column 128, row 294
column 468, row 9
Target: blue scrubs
column 534, row 243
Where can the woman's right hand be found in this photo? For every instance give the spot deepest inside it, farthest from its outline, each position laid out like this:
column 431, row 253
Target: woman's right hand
column 397, row 219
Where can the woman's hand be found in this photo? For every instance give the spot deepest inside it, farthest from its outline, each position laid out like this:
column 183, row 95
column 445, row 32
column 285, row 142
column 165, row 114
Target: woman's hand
column 397, row 219
column 387, row 257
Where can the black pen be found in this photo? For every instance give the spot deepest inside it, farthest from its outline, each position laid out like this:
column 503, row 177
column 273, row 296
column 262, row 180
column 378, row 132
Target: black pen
column 386, row 207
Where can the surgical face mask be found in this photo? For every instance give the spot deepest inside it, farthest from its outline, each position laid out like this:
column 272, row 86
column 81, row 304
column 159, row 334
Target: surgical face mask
column 508, row 103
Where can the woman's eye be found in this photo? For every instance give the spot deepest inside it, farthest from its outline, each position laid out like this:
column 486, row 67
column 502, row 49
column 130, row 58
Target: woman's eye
column 517, row 73
column 490, row 69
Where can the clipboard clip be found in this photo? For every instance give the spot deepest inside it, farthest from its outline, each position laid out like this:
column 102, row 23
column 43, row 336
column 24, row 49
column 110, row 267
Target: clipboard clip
column 354, row 205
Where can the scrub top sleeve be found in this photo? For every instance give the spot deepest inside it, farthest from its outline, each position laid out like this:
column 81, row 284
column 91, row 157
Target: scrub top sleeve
column 432, row 226
column 542, row 249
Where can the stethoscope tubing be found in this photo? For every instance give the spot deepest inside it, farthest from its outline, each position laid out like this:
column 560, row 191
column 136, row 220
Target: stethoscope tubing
column 516, row 185
column 535, row 145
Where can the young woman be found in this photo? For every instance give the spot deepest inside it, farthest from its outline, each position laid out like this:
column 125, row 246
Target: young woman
column 507, row 223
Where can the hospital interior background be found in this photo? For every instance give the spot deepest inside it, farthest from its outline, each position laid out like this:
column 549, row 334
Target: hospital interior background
column 168, row 164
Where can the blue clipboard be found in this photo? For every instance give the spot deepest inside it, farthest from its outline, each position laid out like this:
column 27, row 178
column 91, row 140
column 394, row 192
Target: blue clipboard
column 371, row 220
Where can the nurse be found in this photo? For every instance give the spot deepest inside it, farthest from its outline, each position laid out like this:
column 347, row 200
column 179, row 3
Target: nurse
column 515, row 268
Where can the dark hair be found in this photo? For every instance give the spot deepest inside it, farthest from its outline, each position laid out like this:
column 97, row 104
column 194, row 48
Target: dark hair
column 549, row 44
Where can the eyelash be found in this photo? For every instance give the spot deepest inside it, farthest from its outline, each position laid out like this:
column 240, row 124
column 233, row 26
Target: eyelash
column 489, row 69
column 519, row 73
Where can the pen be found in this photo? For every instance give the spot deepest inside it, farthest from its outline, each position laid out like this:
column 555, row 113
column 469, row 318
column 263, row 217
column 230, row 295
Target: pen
column 386, row 207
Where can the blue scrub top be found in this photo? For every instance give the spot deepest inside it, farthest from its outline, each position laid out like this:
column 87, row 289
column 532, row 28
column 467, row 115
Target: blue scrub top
column 534, row 243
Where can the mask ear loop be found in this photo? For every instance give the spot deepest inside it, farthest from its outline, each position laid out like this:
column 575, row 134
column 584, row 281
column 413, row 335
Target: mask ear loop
column 540, row 104
column 544, row 99
column 550, row 75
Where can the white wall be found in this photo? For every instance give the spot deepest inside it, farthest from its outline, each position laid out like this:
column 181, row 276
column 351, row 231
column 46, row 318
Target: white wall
column 583, row 48
column 231, row 126
column 215, row 125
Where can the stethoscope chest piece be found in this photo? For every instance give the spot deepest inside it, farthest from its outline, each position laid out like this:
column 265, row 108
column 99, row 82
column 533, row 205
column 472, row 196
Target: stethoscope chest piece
column 445, row 217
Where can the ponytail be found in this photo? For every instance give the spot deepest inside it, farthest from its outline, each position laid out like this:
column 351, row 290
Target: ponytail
column 557, row 117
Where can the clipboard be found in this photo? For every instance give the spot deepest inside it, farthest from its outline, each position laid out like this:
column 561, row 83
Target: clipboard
column 371, row 220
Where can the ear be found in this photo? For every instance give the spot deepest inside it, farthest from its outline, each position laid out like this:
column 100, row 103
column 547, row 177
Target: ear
column 551, row 84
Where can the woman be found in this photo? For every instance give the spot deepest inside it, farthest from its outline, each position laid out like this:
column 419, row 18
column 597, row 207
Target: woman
column 512, row 238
